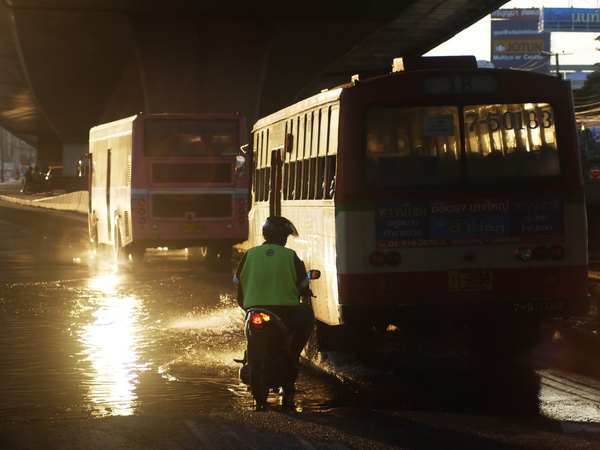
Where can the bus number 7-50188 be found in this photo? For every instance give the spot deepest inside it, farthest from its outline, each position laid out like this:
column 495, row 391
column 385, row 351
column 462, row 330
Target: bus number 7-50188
column 511, row 120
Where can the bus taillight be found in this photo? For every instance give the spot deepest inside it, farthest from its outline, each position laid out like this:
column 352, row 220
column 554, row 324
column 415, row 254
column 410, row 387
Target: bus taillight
column 377, row 259
column 391, row 258
column 541, row 253
column 141, row 208
column 242, row 209
column 557, row 252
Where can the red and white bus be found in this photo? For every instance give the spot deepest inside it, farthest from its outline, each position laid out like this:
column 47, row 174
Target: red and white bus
column 168, row 180
column 440, row 191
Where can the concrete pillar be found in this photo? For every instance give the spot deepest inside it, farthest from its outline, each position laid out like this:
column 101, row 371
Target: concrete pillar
column 49, row 150
column 72, row 153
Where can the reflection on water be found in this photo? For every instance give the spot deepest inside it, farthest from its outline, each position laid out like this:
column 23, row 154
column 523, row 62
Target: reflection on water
column 214, row 338
column 111, row 347
column 569, row 397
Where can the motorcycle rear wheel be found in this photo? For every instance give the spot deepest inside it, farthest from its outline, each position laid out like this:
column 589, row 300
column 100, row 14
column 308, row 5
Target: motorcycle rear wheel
column 259, row 387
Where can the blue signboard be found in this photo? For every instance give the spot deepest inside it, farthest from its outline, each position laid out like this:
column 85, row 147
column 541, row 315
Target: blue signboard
column 478, row 221
column 570, row 19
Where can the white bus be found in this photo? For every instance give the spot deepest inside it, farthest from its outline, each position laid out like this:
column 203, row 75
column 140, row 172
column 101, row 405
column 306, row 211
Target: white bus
column 168, row 180
column 439, row 192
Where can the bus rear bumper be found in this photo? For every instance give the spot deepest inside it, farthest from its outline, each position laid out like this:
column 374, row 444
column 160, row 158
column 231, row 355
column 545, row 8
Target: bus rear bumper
column 467, row 312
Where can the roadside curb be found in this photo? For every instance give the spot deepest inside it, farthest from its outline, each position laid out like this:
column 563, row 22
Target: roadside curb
column 74, row 201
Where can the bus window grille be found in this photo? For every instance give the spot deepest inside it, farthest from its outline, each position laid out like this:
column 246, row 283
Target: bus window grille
column 126, row 225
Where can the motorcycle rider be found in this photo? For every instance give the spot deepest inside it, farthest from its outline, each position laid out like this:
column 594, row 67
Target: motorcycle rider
column 273, row 277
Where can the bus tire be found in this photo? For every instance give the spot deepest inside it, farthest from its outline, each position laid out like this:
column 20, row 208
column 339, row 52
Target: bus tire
column 218, row 252
column 119, row 252
column 505, row 344
column 331, row 337
column 93, row 237
column 137, row 253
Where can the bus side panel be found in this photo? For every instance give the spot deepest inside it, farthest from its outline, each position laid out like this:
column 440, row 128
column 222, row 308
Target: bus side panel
column 105, row 141
column 121, row 188
column 110, row 200
column 97, row 214
column 316, row 246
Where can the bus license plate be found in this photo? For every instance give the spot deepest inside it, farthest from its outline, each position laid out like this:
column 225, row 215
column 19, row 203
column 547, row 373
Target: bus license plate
column 462, row 280
column 192, row 227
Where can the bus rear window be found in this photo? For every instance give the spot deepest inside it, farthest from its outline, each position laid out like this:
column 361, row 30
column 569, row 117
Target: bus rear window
column 190, row 137
column 413, row 146
column 421, row 145
column 510, row 143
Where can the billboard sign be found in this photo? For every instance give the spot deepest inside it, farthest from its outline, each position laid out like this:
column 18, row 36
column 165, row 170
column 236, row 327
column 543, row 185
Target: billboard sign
column 570, row 19
column 517, row 42
column 517, row 13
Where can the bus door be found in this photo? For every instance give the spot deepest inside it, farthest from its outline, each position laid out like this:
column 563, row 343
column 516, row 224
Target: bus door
column 276, row 182
column 108, row 174
column 90, row 176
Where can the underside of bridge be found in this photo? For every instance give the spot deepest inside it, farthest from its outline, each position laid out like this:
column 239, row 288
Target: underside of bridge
column 68, row 65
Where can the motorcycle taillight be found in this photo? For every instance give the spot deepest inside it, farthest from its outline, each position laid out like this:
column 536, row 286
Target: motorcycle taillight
column 258, row 319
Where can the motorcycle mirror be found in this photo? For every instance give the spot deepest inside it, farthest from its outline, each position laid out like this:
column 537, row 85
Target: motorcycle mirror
column 313, row 274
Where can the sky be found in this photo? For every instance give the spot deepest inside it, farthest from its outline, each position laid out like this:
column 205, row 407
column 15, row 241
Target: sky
column 573, row 48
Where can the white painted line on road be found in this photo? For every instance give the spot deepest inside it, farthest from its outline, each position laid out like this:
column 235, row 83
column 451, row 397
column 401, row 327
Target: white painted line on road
column 575, row 428
column 202, row 437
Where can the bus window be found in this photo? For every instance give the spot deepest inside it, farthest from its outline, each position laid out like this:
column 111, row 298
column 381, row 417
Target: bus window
column 191, row 137
column 320, row 178
column 412, row 146
column 511, row 142
column 312, row 178
column 330, row 168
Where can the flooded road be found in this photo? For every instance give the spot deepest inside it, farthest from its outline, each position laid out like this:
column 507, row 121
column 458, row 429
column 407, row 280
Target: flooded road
column 95, row 355
column 85, row 337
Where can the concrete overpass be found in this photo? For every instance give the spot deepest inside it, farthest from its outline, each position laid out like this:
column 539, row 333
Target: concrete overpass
column 66, row 65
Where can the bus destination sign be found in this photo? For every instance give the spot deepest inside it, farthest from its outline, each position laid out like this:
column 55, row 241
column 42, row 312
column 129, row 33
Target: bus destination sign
column 460, row 84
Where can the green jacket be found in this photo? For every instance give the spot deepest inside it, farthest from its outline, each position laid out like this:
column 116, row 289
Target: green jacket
column 269, row 276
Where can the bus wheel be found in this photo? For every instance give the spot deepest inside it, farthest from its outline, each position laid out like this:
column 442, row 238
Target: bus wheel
column 218, row 252
column 119, row 252
column 507, row 344
column 225, row 251
column 137, row 254
column 333, row 337
column 94, row 237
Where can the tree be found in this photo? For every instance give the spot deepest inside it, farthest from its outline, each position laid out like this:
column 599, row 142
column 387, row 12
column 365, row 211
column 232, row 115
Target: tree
column 589, row 90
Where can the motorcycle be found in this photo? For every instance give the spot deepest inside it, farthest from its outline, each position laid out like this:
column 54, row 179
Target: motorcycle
column 43, row 186
column 268, row 362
